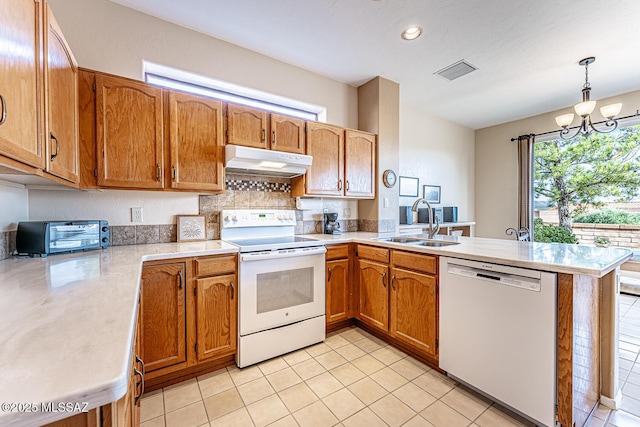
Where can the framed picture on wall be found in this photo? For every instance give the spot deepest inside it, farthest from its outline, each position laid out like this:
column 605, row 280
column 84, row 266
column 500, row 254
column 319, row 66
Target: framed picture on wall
column 431, row 193
column 408, row 186
column 191, row 228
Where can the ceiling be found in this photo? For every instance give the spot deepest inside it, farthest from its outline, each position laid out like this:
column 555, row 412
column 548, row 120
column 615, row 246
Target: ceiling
column 527, row 52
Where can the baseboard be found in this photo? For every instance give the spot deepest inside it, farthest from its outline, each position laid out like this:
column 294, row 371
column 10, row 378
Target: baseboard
column 614, row 403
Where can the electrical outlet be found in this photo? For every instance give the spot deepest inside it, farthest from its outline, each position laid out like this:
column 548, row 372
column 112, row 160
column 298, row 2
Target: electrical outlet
column 386, row 202
column 325, row 210
column 136, row 214
column 347, row 212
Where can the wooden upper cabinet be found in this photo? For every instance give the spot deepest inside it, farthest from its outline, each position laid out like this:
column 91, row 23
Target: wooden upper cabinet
column 162, row 312
column 287, row 134
column 21, row 81
column 246, row 126
column 360, row 164
column 216, row 316
column 196, row 142
column 326, row 174
column 61, row 89
column 414, row 309
column 129, row 134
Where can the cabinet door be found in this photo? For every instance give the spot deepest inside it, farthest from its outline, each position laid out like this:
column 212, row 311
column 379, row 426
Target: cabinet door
column 20, row 81
column 61, row 88
column 414, row 309
column 326, row 175
column 216, row 316
column 196, row 140
column 373, row 307
column 246, row 126
column 129, row 133
column 163, row 332
column 287, row 134
column 360, row 164
column 337, row 292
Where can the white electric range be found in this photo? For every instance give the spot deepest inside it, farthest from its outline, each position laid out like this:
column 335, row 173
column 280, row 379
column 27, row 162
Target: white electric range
column 281, row 282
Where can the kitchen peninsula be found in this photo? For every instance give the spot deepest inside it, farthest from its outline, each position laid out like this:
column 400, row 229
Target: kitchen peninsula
column 77, row 314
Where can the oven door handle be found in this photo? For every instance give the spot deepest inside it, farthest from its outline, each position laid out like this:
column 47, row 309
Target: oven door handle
column 284, row 253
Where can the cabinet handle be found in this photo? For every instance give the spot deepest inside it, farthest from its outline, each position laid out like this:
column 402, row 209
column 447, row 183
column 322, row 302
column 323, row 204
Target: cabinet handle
column 233, row 291
column 393, row 279
column 141, row 362
column 339, row 184
column 53, row 156
column 274, row 137
column 175, row 173
column 329, row 276
column 158, row 172
column 384, row 276
column 180, row 275
column 347, row 182
column 3, row 105
column 264, row 135
column 138, row 396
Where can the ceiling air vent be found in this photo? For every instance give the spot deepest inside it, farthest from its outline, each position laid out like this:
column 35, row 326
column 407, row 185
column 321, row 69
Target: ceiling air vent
column 456, row 70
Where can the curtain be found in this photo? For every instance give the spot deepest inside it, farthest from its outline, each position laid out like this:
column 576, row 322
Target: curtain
column 525, row 182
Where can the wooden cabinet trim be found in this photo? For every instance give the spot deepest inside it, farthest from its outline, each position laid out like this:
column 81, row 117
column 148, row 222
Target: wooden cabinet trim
column 414, row 261
column 213, row 266
column 373, row 253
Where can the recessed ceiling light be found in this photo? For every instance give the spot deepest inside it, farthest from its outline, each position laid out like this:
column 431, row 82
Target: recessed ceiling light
column 412, row 32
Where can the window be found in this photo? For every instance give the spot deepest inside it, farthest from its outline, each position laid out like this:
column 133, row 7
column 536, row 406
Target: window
column 590, row 186
column 172, row 78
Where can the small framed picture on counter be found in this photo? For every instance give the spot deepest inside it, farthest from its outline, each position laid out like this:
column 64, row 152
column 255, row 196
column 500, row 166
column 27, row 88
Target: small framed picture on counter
column 431, row 193
column 191, row 228
column 408, row 186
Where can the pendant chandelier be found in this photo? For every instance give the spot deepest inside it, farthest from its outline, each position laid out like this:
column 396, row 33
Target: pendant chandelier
column 584, row 110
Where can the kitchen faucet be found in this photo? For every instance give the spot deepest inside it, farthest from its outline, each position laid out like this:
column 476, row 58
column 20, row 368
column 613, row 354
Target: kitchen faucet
column 432, row 230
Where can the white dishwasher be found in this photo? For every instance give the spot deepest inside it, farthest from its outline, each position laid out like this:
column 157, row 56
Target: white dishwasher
column 498, row 333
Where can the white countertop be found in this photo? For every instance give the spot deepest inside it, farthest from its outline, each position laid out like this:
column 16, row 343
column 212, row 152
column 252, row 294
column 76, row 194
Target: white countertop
column 67, row 325
column 68, row 320
column 555, row 257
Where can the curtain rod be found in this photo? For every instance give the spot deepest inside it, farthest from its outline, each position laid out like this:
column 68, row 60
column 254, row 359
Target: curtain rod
column 576, row 127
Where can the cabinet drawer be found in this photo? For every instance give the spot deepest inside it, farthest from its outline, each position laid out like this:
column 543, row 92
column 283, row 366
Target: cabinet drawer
column 413, row 261
column 373, row 253
column 337, row 252
column 214, row 266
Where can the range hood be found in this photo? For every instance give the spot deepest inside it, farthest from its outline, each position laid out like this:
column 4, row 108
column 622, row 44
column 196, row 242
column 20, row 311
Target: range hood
column 258, row 161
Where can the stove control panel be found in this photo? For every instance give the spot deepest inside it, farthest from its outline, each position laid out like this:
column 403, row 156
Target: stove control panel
column 257, row 218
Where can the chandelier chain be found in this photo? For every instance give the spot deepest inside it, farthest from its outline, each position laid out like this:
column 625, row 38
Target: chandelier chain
column 586, row 76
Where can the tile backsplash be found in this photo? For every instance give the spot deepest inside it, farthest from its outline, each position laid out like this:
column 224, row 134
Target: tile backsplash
column 7, row 243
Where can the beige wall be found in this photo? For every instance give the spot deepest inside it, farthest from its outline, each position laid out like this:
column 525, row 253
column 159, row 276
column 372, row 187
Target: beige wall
column 438, row 152
column 496, row 168
column 13, row 206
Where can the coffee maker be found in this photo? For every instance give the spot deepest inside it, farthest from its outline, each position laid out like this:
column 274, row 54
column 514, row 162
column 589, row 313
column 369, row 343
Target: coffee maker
column 331, row 224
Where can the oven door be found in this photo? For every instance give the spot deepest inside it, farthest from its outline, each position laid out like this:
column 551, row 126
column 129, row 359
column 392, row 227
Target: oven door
column 280, row 287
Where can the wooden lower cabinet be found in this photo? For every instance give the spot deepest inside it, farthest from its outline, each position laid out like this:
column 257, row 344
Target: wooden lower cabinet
column 373, row 307
column 338, row 284
column 216, row 316
column 163, row 314
column 413, row 309
column 188, row 314
column 397, row 294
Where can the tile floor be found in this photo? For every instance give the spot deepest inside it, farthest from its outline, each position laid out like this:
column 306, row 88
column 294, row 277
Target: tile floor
column 355, row 379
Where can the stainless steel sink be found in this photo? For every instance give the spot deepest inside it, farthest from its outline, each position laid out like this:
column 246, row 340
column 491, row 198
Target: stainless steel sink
column 434, row 243
column 399, row 239
column 413, row 241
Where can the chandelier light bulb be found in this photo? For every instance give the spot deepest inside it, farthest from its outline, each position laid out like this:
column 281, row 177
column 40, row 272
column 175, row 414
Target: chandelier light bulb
column 565, row 120
column 610, row 111
column 585, row 108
